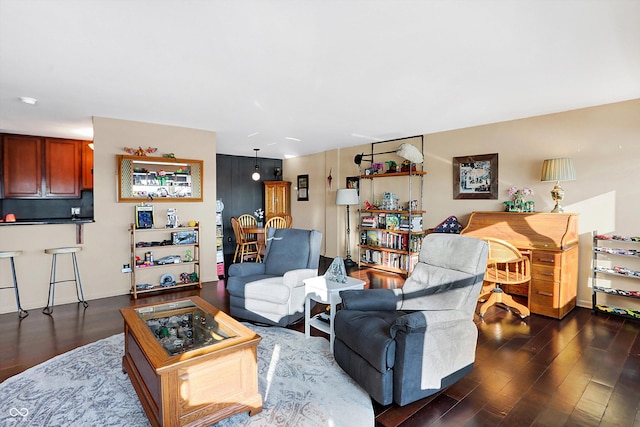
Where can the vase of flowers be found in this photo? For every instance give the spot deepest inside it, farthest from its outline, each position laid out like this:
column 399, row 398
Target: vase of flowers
column 259, row 214
column 518, row 202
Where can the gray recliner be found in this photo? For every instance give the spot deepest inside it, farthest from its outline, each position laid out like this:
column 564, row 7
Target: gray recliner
column 272, row 292
column 405, row 344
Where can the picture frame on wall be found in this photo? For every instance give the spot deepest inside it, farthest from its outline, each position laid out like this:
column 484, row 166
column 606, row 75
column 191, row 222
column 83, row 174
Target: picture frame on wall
column 475, row 177
column 353, row 182
column 144, row 216
column 303, row 188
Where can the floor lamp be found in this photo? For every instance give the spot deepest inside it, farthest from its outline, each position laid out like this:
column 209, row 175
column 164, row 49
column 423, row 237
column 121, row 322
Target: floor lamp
column 347, row 197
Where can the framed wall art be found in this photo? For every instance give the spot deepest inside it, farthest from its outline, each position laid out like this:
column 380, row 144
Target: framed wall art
column 303, row 188
column 353, row 182
column 475, row 177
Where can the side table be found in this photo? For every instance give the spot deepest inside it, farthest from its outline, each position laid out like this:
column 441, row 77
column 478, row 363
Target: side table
column 326, row 292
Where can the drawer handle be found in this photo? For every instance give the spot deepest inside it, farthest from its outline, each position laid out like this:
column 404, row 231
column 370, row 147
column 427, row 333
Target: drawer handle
column 546, row 294
column 546, row 274
column 184, row 377
column 551, row 260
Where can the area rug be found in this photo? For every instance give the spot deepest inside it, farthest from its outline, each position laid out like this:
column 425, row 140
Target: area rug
column 300, row 383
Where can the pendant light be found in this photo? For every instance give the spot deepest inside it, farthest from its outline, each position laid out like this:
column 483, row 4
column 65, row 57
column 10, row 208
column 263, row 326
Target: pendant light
column 256, row 174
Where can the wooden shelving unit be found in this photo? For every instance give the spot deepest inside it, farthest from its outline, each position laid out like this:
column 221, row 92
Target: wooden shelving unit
column 147, row 275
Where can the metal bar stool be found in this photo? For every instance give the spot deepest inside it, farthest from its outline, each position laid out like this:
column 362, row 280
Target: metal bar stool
column 12, row 254
column 52, row 281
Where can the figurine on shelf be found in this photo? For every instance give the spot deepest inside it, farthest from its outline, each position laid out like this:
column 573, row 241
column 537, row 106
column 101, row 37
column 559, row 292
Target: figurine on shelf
column 392, row 166
column 406, row 165
column 376, row 167
column 368, row 205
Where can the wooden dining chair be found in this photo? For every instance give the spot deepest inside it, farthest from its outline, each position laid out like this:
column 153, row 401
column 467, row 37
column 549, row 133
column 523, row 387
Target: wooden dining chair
column 273, row 222
column 244, row 246
column 506, row 265
column 248, row 221
column 289, row 220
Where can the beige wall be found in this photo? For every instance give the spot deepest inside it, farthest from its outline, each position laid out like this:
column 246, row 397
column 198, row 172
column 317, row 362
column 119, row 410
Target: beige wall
column 107, row 242
column 604, row 142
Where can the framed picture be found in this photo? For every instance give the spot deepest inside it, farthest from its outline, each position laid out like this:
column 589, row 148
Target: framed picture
column 475, row 177
column 144, row 216
column 303, row 188
column 353, row 182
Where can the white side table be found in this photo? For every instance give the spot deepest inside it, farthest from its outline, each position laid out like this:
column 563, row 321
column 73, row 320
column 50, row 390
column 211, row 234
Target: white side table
column 323, row 291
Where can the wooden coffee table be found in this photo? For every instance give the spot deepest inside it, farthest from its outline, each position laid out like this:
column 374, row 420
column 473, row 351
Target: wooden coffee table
column 190, row 363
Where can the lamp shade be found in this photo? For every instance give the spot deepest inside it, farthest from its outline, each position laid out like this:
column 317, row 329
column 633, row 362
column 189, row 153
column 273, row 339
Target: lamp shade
column 558, row 170
column 347, row 196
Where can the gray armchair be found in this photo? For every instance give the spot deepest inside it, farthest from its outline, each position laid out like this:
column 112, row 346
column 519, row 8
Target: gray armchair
column 404, row 344
column 272, row 292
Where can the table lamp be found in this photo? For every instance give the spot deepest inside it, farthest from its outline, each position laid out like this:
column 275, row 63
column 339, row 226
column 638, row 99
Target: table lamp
column 346, row 197
column 557, row 170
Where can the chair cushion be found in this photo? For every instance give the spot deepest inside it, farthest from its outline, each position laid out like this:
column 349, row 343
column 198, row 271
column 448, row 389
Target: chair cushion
column 368, row 333
column 236, row 284
column 289, row 250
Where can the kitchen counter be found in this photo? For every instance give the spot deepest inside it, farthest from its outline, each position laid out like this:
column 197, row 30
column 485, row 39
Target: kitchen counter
column 49, row 221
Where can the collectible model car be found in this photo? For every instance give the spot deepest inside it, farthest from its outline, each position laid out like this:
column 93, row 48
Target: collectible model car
column 170, row 259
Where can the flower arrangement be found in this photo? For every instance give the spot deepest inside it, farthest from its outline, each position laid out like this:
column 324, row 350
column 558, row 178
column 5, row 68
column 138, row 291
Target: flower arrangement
column 259, row 214
column 519, row 202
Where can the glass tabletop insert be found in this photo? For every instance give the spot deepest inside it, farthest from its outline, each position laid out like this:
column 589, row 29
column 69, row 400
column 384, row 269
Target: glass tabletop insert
column 182, row 326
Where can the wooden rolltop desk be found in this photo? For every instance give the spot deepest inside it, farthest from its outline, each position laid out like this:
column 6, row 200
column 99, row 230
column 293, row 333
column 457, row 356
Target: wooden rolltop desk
column 551, row 240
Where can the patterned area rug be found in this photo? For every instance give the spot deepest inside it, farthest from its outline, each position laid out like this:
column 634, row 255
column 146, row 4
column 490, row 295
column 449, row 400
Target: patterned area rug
column 300, row 383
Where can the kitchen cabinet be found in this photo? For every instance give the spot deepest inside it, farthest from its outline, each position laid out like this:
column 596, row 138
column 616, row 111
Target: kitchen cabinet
column 277, row 198
column 62, row 168
column 22, row 158
column 87, row 166
column 37, row 167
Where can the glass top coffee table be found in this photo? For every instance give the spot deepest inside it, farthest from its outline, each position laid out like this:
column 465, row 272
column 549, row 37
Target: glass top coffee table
column 190, row 363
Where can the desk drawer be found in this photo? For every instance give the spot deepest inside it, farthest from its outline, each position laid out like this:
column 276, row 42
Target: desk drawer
column 544, row 297
column 547, row 258
column 546, row 272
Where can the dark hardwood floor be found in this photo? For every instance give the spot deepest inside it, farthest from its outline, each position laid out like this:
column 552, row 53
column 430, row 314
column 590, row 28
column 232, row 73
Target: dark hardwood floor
column 581, row 371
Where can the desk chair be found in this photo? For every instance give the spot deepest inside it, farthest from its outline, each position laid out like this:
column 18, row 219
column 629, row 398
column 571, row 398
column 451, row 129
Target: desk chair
column 506, row 266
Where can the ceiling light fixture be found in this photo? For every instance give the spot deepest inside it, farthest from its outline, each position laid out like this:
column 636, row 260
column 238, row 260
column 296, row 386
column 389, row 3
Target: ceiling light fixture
column 256, row 174
column 290, row 138
column 28, row 100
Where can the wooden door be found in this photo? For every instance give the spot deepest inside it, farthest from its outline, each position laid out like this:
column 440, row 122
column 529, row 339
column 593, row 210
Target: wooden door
column 62, row 157
column 22, row 166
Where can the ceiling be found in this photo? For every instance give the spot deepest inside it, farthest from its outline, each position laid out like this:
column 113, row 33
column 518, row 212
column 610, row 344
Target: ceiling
column 298, row 77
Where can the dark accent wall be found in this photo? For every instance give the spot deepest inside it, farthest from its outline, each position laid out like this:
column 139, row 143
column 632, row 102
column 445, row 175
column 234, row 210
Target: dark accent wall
column 239, row 193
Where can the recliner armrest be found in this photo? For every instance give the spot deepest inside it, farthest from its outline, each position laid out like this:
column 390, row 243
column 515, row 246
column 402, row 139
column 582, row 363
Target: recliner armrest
column 410, row 323
column 294, row 278
column 370, row 299
column 246, row 269
column 417, row 321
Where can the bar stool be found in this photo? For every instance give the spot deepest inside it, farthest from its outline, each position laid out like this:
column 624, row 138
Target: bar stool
column 52, row 281
column 11, row 255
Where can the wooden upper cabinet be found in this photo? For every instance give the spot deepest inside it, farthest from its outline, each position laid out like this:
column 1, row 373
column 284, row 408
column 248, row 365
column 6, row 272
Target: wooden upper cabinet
column 22, row 175
column 87, row 166
column 37, row 167
column 62, row 157
column 277, row 198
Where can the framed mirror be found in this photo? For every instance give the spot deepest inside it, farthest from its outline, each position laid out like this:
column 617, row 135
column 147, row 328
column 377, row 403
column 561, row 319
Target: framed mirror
column 159, row 179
